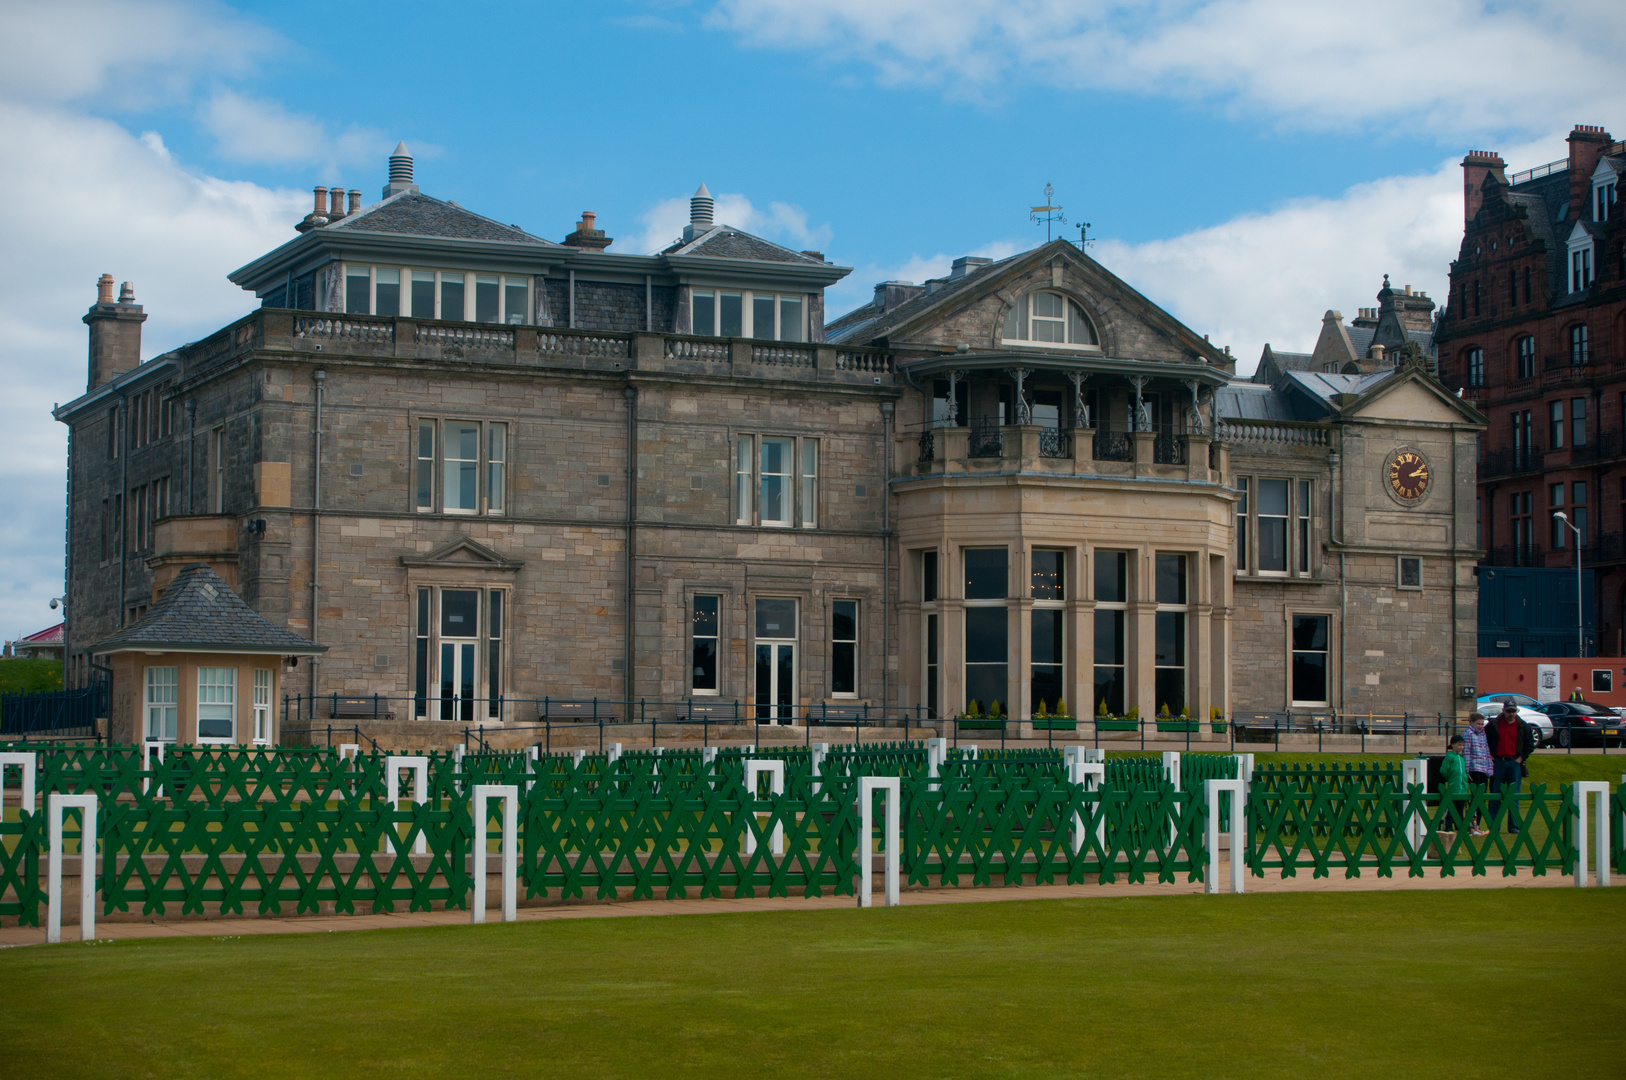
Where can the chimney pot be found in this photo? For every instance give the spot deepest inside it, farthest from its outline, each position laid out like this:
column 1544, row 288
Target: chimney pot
column 321, row 202
column 355, row 201
column 586, row 223
column 104, row 289
column 335, row 203
column 127, row 293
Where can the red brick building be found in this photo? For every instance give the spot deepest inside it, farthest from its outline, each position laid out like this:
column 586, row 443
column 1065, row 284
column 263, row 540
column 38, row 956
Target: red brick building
column 1534, row 332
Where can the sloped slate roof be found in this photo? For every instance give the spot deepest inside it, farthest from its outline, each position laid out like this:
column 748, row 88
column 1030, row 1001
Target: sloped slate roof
column 200, row 613
column 412, row 213
column 1360, row 339
column 726, row 242
column 862, row 324
column 1242, row 400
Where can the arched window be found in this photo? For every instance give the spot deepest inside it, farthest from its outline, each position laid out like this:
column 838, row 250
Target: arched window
column 1048, row 318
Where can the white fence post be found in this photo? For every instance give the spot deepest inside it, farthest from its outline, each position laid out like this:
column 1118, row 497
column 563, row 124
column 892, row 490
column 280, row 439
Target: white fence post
column 892, row 840
column 819, row 751
column 1171, row 773
column 577, row 757
column 393, row 764
column 509, row 794
column 1599, row 790
column 1090, row 774
column 1414, row 771
column 936, row 755
column 1095, row 755
column 349, row 750
column 755, row 767
column 614, row 753
column 969, row 750
column 28, row 763
column 1239, row 813
column 708, row 754
column 55, row 805
column 147, row 747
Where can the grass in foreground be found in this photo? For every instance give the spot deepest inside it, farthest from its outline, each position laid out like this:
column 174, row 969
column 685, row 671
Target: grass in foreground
column 1396, row 984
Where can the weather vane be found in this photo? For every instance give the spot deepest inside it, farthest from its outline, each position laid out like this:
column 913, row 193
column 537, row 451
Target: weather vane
column 1048, row 214
column 1084, row 238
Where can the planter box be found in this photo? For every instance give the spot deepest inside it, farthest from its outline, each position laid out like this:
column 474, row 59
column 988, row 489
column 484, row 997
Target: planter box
column 1113, row 723
column 1218, row 727
column 1055, row 723
column 1180, row 725
column 981, row 724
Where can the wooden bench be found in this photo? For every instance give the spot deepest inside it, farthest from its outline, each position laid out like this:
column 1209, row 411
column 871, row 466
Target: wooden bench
column 359, row 708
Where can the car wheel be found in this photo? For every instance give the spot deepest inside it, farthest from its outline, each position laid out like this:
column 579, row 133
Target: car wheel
column 1564, row 738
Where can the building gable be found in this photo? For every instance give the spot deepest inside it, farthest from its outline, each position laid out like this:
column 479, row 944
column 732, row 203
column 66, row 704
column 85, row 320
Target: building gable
column 1414, row 401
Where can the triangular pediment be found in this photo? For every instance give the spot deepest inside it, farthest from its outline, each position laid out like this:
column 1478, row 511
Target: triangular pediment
column 464, row 554
column 1414, row 396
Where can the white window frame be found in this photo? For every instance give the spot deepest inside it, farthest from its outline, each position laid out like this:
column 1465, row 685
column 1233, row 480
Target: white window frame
column 1603, row 190
column 716, row 638
column 199, row 704
column 262, row 706
column 801, row 489
column 470, row 280
column 851, row 695
column 1332, row 630
column 486, row 469
column 1024, row 317
column 748, row 298
column 1301, row 537
column 485, row 664
column 168, row 710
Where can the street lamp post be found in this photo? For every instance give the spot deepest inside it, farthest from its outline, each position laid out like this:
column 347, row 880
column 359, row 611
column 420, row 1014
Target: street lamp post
column 1580, row 610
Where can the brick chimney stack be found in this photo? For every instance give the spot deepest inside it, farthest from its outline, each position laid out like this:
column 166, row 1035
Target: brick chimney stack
column 587, row 234
column 1587, row 144
column 115, row 332
column 1475, row 167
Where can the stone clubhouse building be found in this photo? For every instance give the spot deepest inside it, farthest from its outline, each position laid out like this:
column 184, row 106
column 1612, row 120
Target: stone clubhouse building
column 473, row 469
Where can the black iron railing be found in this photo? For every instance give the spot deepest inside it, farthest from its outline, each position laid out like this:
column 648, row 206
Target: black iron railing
column 1169, row 450
column 1113, row 446
column 987, row 439
column 928, row 445
column 1055, row 443
column 1510, row 461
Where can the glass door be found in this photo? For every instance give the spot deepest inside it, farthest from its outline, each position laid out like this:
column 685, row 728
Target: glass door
column 459, row 646
column 776, row 660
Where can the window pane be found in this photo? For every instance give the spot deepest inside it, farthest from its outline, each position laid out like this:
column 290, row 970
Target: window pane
column 1109, row 689
column 703, row 635
column 762, row 317
column 742, row 480
column 704, row 309
column 388, row 290
column 1109, row 636
column 986, row 637
column 985, row 574
column 705, row 616
column 928, row 576
column 729, row 315
column 515, row 300
column 1079, row 330
column 217, row 694
column 1049, row 330
column 790, row 319
column 1310, row 658
column 462, row 459
column 494, row 616
column 844, row 620
column 777, row 455
column 356, row 288
column 423, row 612
column 451, row 296
column 1047, row 643
column 496, row 451
column 1272, row 543
column 1273, row 497
column 1047, row 575
column 1171, row 578
column 426, row 464
column 1111, row 576
column 459, row 613
column 1171, row 638
column 1047, row 305
column 810, row 483
column 776, row 618
column 423, row 294
column 485, row 298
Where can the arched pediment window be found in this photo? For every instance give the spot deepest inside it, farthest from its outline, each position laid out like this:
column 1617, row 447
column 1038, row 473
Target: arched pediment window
column 1050, row 319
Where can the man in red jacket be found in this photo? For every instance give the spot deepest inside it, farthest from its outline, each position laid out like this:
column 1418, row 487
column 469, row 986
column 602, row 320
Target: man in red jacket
column 1512, row 741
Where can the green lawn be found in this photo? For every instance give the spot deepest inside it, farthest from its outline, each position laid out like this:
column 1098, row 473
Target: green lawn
column 1551, row 766
column 1449, row 983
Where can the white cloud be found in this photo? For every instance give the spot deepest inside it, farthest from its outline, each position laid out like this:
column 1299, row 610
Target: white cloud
column 782, row 223
column 1269, row 277
column 251, row 130
column 96, row 198
column 1443, row 67
column 121, row 53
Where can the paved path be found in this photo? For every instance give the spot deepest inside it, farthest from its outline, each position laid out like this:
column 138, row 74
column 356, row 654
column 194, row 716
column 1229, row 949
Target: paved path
column 1369, row 881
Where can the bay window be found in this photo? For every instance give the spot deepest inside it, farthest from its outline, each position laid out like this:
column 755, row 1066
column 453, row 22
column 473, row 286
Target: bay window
column 1111, row 614
column 987, row 628
column 1046, row 667
column 1170, row 628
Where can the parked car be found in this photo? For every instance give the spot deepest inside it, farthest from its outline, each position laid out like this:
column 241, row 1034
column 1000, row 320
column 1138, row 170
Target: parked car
column 1577, row 723
column 1529, row 711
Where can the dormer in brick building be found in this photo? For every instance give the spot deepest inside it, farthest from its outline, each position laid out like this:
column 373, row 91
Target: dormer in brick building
column 115, row 332
column 1587, row 144
column 1475, row 167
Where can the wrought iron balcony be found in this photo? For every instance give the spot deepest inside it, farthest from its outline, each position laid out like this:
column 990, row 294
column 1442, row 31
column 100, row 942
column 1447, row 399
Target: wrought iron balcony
column 1169, row 450
column 1516, row 555
column 987, row 439
column 1055, row 443
column 1509, row 462
column 1113, row 446
column 928, row 445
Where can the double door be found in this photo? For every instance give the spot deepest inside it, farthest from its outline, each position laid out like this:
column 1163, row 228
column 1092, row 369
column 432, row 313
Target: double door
column 776, row 660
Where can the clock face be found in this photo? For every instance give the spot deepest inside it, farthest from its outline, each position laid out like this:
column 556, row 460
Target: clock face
column 1408, row 475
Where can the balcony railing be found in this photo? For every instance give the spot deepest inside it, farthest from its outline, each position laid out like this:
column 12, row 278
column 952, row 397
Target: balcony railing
column 1055, row 443
column 928, row 445
column 1272, row 432
column 1611, row 547
column 362, row 331
column 1169, row 450
column 1509, row 462
column 987, row 439
column 1516, row 555
column 1113, row 446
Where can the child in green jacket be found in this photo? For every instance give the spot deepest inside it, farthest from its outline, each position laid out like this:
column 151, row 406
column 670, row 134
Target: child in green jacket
column 1454, row 779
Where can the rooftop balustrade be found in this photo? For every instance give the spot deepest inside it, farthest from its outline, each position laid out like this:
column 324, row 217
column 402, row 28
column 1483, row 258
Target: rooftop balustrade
column 367, row 336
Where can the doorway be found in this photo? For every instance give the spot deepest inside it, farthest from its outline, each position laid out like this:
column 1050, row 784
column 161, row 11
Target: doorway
column 776, row 660
column 459, row 645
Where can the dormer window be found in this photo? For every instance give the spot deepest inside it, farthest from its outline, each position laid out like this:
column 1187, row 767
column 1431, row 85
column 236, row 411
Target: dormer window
column 451, row 295
column 1051, row 319
column 766, row 316
column 1579, row 246
column 1603, row 190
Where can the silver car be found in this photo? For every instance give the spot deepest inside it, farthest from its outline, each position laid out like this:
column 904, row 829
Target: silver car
column 1529, row 711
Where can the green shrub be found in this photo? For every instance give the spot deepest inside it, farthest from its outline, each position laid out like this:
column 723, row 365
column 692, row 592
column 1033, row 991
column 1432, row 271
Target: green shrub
column 19, row 675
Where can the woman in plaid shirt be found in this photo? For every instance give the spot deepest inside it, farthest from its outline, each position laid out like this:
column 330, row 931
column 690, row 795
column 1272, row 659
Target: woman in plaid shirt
column 1478, row 755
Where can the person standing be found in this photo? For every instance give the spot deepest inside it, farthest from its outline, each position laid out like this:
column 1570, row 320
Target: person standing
column 1477, row 756
column 1454, row 785
column 1511, row 742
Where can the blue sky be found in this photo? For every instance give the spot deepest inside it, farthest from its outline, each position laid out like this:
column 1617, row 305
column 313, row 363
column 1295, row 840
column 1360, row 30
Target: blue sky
column 1246, row 163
